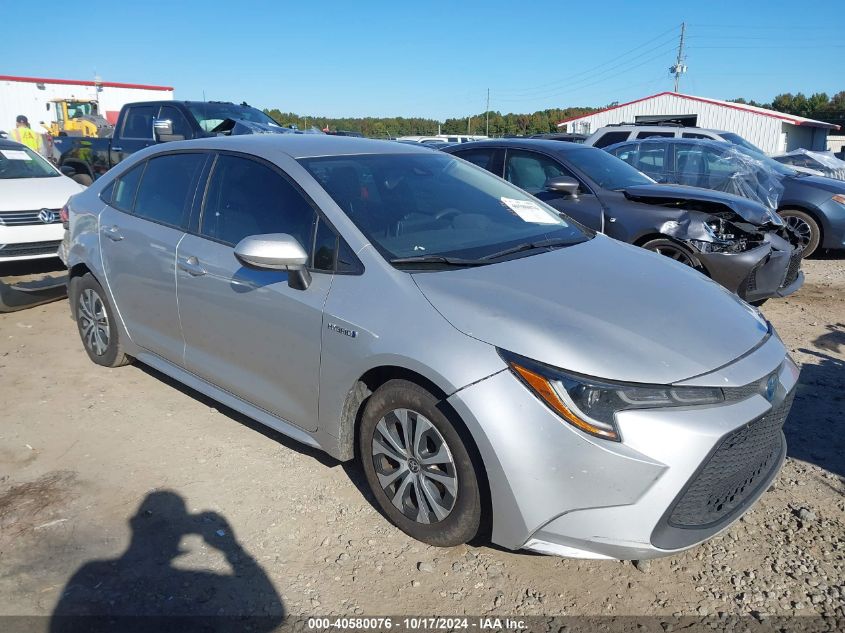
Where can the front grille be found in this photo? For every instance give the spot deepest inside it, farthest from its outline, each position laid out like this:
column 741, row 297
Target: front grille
column 30, row 248
column 736, row 468
column 26, row 218
column 794, row 268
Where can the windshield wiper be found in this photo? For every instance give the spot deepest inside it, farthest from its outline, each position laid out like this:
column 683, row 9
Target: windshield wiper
column 529, row 246
column 438, row 259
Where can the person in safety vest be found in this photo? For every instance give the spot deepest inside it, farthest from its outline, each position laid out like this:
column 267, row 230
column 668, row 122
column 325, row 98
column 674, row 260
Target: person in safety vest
column 26, row 135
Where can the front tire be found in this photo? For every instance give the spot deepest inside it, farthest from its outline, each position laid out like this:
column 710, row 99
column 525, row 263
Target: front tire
column 96, row 322
column 418, row 467
column 673, row 250
column 806, row 227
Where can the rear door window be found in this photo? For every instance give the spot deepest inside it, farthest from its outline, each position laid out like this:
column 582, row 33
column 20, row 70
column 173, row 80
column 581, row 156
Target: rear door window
column 488, row 158
column 167, row 189
column 609, row 138
column 138, row 122
column 655, row 135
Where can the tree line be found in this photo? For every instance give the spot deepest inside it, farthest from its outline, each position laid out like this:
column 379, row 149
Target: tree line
column 540, row 122
column 817, row 106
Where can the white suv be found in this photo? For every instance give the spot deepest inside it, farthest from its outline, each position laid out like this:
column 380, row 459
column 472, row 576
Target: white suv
column 612, row 134
column 32, row 194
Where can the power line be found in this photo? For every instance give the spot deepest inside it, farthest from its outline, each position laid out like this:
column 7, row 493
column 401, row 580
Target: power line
column 599, row 66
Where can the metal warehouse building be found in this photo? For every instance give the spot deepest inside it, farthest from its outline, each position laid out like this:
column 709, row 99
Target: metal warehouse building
column 773, row 132
column 29, row 96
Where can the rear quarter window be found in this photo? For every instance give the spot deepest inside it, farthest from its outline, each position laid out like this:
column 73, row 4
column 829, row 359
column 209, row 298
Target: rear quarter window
column 610, row 138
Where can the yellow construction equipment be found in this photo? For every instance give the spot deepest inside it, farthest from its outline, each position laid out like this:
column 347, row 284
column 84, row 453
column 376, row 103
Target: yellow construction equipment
column 73, row 117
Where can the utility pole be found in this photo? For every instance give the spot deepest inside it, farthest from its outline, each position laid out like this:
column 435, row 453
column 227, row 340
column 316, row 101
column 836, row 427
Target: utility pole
column 679, row 68
column 487, row 126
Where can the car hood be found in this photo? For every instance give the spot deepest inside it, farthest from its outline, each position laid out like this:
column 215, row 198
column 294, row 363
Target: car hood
column 29, row 194
column 747, row 209
column 832, row 185
column 600, row 308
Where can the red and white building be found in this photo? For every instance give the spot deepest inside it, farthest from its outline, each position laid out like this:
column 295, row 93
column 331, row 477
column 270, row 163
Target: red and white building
column 30, row 95
column 773, row 132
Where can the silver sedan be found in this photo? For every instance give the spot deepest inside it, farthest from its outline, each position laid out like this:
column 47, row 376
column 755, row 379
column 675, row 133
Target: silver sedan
column 488, row 361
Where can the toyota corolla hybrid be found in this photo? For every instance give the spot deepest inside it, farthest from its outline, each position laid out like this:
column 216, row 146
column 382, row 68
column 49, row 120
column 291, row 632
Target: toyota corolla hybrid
column 483, row 357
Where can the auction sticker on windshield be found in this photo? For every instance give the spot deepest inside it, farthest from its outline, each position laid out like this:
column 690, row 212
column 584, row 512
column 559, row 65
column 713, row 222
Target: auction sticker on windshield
column 529, row 211
column 15, row 154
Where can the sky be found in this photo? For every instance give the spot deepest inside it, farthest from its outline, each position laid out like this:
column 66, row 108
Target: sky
column 434, row 59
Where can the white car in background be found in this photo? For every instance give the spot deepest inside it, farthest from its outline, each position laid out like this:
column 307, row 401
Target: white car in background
column 32, row 194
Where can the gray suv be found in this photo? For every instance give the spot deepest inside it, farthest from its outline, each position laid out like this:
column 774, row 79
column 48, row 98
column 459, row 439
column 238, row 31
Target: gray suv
column 612, row 134
column 487, row 361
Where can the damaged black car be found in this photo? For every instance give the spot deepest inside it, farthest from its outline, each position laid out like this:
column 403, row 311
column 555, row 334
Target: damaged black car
column 737, row 242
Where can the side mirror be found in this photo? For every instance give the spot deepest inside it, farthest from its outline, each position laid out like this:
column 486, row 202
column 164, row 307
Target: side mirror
column 163, row 127
column 276, row 251
column 563, row 184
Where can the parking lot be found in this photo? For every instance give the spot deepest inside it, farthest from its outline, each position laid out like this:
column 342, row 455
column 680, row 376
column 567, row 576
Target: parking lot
column 128, row 468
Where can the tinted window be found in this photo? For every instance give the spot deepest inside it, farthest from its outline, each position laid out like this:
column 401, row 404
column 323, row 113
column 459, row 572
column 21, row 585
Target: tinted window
column 481, row 157
column 124, row 190
column 530, row 171
column 138, row 122
column 605, row 170
column 181, row 128
column 106, row 194
column 696, row 135
column 246, row 197
column 609, row 138
column 655, row 135
column 429, row 203
column 325, row 247
column 168, row 186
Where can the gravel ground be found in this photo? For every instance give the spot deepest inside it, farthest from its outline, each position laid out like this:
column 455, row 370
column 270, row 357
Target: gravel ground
column 121, row 490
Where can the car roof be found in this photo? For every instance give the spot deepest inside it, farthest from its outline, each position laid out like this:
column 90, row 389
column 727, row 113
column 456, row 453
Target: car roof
column 543, row 144
column 10, row 144
column 299, row 145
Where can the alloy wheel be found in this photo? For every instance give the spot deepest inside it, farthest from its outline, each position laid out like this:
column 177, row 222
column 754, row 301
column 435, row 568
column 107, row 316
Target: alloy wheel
column 801, row 229
column 93, row 321
column 673, row 252
column 414, row 466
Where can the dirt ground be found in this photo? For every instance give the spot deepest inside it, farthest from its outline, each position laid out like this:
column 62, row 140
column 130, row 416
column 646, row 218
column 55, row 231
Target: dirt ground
column 122, row 491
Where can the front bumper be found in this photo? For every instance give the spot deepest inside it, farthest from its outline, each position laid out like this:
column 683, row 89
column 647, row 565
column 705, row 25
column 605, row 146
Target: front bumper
column 772, row 269
column 557, row 490
column 30, row 241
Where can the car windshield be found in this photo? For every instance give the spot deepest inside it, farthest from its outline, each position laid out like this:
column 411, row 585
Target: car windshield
column 606, row 170
column 210, row 115
column 736, row 139
column 22, row 162
column 433, row 205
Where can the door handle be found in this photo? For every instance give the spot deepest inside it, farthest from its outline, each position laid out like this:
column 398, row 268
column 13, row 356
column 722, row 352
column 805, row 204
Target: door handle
column 116, row 149
column 191, row 265
column 113, row 233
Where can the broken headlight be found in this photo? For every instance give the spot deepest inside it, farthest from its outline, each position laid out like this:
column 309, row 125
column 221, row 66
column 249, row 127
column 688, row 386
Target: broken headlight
column 591, row 405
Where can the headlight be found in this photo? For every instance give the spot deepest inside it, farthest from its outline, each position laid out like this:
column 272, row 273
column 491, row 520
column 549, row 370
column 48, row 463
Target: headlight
column 591, row 405
column 839, row 198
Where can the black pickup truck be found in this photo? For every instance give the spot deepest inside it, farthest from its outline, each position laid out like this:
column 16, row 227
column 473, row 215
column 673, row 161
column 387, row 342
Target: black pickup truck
column 140, row 125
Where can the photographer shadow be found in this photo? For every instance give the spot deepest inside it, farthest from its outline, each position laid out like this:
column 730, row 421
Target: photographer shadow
column 142, row 590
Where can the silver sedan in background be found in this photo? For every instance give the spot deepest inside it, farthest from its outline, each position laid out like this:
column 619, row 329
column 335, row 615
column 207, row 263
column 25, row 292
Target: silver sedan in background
column 493, row 365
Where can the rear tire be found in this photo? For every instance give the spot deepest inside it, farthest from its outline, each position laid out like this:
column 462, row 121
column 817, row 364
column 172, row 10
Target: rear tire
column 83, row 179
column 418, row 467
column 95, row 320
column 807, row 228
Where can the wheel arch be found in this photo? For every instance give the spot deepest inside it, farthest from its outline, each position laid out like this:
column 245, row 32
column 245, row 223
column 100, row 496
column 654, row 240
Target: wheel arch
column 813, row 213
column 356, row 401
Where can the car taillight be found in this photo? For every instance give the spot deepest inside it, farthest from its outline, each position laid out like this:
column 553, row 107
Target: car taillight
column 64, row 217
